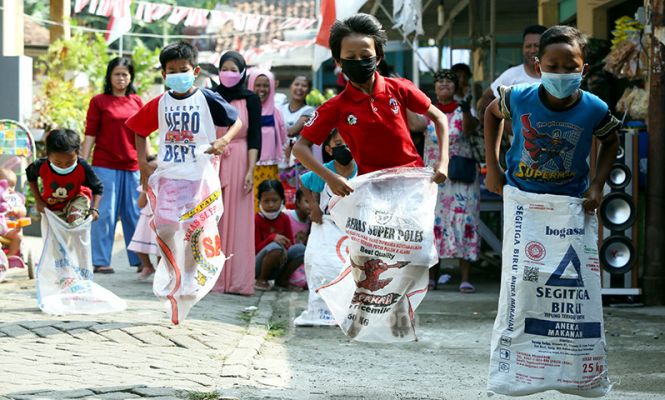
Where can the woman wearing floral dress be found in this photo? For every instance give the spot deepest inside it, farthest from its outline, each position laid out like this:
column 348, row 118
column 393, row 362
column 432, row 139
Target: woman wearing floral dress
column 458, row 204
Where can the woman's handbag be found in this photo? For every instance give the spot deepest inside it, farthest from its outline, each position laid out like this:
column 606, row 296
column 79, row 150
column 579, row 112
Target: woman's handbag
column 462, row 169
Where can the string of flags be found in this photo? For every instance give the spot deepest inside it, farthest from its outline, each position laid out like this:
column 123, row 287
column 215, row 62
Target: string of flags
column 191, row 17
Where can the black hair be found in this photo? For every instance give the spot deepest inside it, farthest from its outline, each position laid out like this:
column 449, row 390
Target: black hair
column 178, row 51
column 299, row 195
column 307, row 79
column 330, row 137
column 62, row 141
column 271, row 184
column 563, row 34
column 533, row 29
column 446, row 74
column 119, row 62
column 362, row 24
column 462, row 67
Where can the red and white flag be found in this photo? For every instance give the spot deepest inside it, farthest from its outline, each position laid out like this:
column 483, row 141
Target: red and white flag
column 331, row 10
column 120, row 21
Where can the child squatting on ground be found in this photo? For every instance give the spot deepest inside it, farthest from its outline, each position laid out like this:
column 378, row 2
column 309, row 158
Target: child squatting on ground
column 554, row 123
column 70, row 184
column 277, row 254
column 371, row 112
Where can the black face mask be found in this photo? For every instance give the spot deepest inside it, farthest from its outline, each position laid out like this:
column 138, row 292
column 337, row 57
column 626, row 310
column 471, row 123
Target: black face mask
column 342, row 155
column 359, row 71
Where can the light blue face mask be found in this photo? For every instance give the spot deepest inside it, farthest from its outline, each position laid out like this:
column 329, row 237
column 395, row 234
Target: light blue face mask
column 64, row 171
column 561, row 85
column 181, row 82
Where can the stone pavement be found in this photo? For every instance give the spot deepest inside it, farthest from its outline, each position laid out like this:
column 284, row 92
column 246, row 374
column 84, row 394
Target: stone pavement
column 132, row 354
column 220, row 351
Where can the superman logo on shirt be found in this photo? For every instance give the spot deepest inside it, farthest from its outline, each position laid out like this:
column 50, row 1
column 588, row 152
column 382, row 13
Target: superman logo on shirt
column 548, row 150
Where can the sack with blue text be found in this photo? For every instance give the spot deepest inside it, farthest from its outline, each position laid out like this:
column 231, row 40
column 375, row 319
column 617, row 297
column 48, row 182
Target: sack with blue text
column 389, row 219
column 548, row 333
column 186, row 203
column 64, row 272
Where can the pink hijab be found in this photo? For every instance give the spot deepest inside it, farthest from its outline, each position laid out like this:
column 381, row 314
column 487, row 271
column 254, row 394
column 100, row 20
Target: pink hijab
column 273, row 138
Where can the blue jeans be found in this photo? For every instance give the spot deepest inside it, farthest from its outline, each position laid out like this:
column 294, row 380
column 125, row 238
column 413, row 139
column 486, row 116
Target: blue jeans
column 119, row 200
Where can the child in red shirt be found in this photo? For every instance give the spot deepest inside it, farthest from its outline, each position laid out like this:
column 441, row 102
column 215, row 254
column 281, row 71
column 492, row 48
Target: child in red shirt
column 276, row 254
column 72, row 190
column 371, row 113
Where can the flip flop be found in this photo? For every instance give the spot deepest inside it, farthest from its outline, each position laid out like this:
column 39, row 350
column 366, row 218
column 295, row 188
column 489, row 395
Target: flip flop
column 104, row 270
column 263, row 287
column 466, row 287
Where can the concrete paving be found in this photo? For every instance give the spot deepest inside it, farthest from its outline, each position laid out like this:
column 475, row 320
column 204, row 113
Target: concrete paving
column 222, row 351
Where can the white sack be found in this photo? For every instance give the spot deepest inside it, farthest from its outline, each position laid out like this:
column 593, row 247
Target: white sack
column 548, row 333
column 64, row 272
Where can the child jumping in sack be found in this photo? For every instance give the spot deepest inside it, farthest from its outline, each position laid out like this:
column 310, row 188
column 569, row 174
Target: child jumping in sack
column 371, row 112
column 183, row 190
column 554, row 123
column 72, row 190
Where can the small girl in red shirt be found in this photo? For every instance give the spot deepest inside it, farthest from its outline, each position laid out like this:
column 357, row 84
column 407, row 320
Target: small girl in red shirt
column 276, row 254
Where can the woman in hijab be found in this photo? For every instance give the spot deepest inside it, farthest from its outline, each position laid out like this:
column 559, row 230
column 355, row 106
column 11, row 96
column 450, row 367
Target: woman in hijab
column 236, row 175
column 273, row 129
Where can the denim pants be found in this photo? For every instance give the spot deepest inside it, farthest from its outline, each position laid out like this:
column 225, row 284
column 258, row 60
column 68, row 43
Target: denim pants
column 119, row 200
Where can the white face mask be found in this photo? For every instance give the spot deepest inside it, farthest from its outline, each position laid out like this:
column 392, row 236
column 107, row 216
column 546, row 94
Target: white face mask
column 271, row 215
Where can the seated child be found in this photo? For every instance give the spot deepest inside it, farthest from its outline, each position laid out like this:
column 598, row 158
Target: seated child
column 276, row 254
column 342, row 164
column 300, row 218
column 15, row 203
column 70, row 184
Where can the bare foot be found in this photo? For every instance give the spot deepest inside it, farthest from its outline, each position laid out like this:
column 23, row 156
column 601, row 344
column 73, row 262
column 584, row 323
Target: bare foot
column 146, row 272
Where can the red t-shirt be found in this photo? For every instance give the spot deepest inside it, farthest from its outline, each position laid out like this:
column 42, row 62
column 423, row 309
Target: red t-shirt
column 374, row 127
column 114, row 142
column 265, row 230
column 59, row 190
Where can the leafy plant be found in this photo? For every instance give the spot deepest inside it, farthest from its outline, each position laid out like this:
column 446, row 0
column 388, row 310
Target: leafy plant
column 74, row 69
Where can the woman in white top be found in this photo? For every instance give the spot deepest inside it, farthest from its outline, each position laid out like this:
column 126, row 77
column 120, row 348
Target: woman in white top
column 296, row 113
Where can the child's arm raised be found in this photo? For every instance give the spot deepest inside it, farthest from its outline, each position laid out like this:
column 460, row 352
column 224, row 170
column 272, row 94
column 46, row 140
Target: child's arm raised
column 607, row 153
column 495, row 178
column 303, row 152
column 441, row 124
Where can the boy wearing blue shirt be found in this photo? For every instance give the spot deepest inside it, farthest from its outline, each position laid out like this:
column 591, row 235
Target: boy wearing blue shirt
column 341, row 164
column 554, row 123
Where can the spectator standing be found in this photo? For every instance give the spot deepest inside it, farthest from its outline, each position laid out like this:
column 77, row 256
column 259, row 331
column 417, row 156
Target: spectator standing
column 114, row 161
column 456, row 225
column 237, row 178
column 273, row 129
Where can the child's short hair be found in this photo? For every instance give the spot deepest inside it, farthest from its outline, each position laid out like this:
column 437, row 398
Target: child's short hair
column 330, row 137
column 362, row 24
column 462, row 67
column 62, row 141
column 271, row 184
column 533, row 30
column 299, row 195
column 446, row 74
column 178, row 51
column 563, row 34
